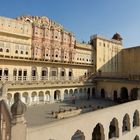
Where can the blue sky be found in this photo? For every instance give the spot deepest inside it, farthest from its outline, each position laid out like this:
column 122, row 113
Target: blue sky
column 84, row 17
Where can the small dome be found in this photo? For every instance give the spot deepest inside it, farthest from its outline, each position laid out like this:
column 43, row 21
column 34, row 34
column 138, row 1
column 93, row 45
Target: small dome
column 18, row 108
column 117, row 37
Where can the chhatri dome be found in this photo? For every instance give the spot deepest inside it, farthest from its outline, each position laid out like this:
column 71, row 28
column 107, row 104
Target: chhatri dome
column 117, row 36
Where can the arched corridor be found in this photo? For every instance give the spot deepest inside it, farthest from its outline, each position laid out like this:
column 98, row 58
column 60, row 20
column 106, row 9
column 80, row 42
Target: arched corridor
column 98, row 132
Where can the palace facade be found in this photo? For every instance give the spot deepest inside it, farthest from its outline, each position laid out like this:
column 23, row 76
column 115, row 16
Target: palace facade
column 44, row 63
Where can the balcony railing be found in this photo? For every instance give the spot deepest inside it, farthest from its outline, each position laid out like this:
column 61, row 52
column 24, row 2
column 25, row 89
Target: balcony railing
column 41, row 78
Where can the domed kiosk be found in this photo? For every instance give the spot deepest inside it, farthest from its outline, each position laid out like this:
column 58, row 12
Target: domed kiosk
column 117, row 37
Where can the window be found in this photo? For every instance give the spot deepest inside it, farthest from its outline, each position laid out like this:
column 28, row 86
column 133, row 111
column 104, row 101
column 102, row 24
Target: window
column 7, row 50
column 46, row 54
column 16, row 51
column 21, row 52
column 56, row 55
column 26, row 52
column 1, row 50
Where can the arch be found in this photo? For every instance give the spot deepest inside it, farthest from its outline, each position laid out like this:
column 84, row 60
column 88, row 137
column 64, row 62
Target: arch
column 54, row 73
column 25, row 97
column 113, row 129
column 88, row 93
column 44, row 73
column 34, row 96
column 126, row 123
column 136, row 137
column 102, row 93
column 47, row 94
column 6, row 73
column 78, row 135
column 136, row 119
column 62, row 73
column 41, row 96
column 80, row 92
column 9, row 98
column 34, row 73
column 66, row 95
column 57, row 95
column 70, row 74
column 115, row 95
column 134, row 94
column 70, row 92
column 98, row 132
column 93, row 92
column 124, row 94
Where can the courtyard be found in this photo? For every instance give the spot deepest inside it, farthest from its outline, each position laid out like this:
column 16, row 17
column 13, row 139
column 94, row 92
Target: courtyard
column 39, row 115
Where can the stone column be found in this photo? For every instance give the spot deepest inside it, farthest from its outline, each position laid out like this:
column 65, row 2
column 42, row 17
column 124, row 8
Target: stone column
column 19, row 127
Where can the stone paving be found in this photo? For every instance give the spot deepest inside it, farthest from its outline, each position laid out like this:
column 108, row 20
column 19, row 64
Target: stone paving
column 41, row 114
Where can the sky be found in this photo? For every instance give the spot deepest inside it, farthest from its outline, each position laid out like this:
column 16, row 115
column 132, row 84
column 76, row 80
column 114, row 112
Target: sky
column 84, row 17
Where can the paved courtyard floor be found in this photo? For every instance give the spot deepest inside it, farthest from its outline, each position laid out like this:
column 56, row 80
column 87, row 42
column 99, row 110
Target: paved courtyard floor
column 38, row 115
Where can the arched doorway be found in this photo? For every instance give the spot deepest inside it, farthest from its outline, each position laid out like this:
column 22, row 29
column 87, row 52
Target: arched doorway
column 47, row 94
column 102, row 93
column 98, row 132
column 126, row 123
column 115, row 95
column 9, row 98
column 34, row 97
column 78, row 135
column 57, row 95
column 93, row 92
column 41, row 96
column 25, row 97
column 66, row 95
column 88, row 93
column 136, row 119
column 124, row 94
column 136, row 137
column 134, row 94
column 80, row 93
column 113, row 129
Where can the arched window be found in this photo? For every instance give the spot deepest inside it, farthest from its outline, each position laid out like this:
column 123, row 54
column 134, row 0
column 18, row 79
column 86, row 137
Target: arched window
column 136, row 137
column 113, row 129
column 136, row 119
column 126, row 123
column 98, row 132
column 78, row 135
